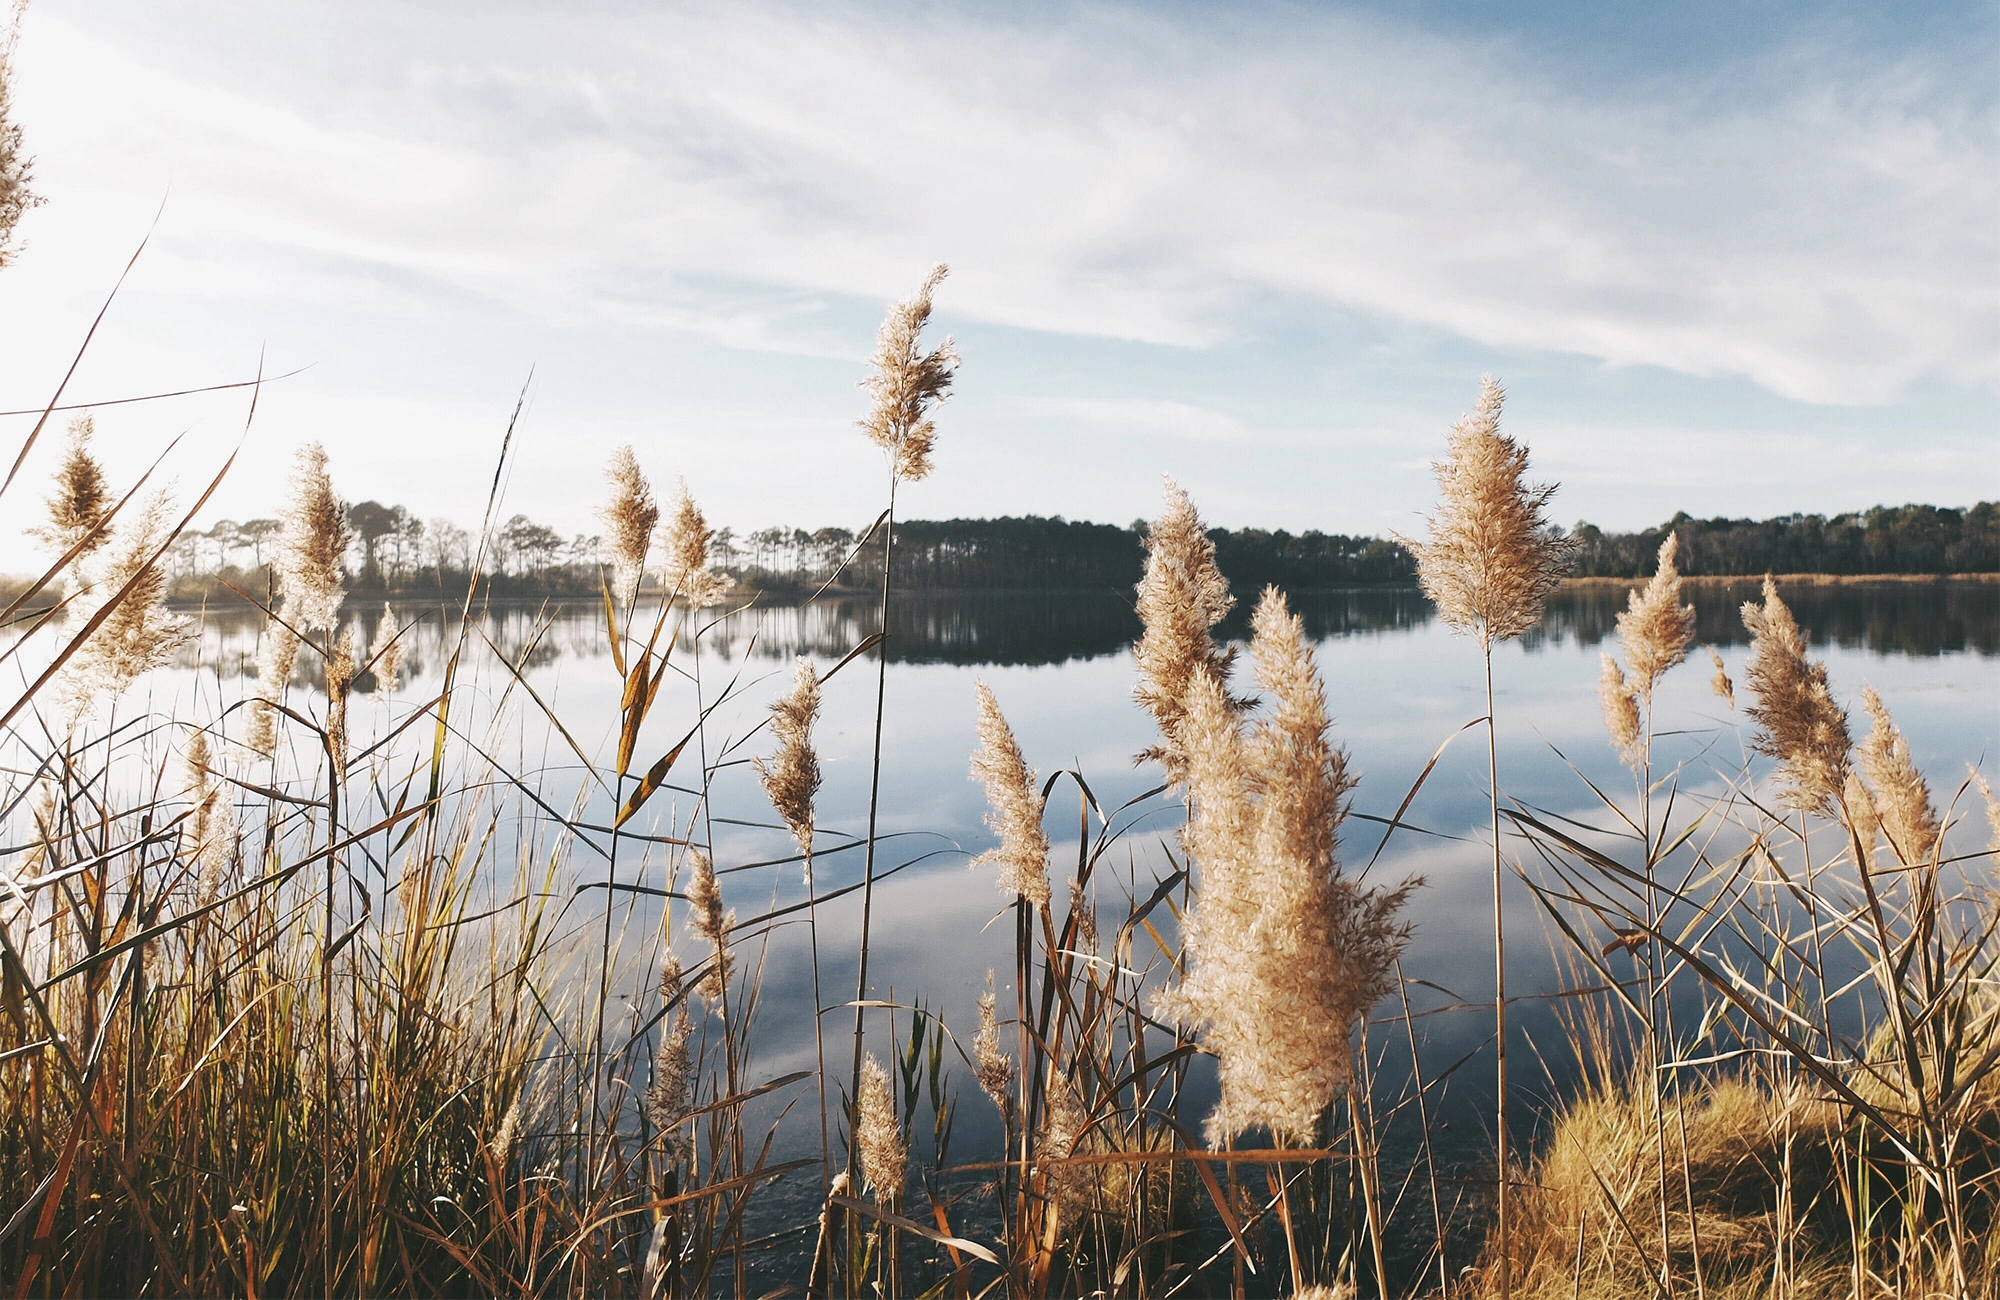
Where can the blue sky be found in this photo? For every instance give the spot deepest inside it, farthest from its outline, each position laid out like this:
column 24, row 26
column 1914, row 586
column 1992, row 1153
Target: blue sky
column 1730, row 258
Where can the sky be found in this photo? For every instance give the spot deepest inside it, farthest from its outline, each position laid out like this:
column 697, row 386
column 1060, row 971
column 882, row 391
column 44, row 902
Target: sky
column 1733, row 258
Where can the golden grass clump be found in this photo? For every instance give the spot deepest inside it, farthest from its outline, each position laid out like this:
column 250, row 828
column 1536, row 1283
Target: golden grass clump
column 629, row 520
column 81, row 499
column 1181, row 597
column 138, row 633
column 687, row 543
column 1655, row 628
column 791, row 777
column 878, row 1137
column 1902, row 797
column 1016, row 816
column 1493, row 557
column 1621, row 712
column 906, row 382
column 1283, row 954
column 1798, row 723
column 312, row 543
column 385, row 651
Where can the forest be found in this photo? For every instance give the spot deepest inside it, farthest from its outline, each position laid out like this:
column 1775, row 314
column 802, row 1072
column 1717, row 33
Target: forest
column 397, row 553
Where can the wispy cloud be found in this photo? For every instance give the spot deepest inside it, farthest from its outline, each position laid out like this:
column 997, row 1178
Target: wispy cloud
column 1820, row 227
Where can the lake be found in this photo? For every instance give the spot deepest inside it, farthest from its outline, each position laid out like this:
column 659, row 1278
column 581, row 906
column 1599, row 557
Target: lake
column 1398, row 685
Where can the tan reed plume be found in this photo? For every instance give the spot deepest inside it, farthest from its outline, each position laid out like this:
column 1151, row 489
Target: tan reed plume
column 671, row 1094
column 1493, row 557
column 339, row 681
column 1902, row 797
column 1283, row 953
column 906, row 382
column 791, row 776
column 277, row 655
column 1655, row 628
column 713, row 924
column 1068, row 1187
column 312, row 542
column 1181, row 597
column 1016, row 807
column 1992, row 811
column 386, row 651
column 1857, row 809
column 629, row 520
column 878, row 1138
column 81, row 498
column 687, row 540
column 213, row 826
column 1724, row 689
column 1621, row 713
column 1797, row 721
column 993, row 1068
column 139, row 633
column 1083, row 909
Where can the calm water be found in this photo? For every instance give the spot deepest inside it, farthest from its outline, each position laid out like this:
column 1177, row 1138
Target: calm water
column 1398, row 684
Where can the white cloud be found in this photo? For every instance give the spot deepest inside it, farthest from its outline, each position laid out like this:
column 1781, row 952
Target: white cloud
column 1825, row 233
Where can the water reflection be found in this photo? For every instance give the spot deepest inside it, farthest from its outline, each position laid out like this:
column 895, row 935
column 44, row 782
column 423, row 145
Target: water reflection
column 1037, row 628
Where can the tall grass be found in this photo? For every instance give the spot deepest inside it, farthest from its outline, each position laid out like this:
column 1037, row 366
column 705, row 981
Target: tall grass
column 334, row 989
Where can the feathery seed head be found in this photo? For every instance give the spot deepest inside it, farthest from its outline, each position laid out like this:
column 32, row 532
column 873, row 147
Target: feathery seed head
column 1016, row 808
column 1064, row 1124
column 1902, row 797
column 687, row 540
column 312, row 542
column 791, row 777
column 1493, row 557
column 1857, row 809
column 1797, row 721
column 339, row 681
column 1724, row 689
column 671, row 1095
column 1181, row 597
column 139, row 634
column 82, row 496
column 276, row 657
column 993, row 1068
column 1992, row 811
column 629, row 520
column 712, row 923
column 906, row 383
column 1283, row 952
column 386, row 651
column 878, row 1137
column 1656, row 628
column 1621, row 713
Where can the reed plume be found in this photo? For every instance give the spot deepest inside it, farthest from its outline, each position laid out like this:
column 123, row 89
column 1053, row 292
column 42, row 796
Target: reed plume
column 1016, row 809
column 1992, row 811
column 791, row 777
column 1655, row 628
column 277, row 655
column 1857, row 811
column 629, row 520
column 905, row 383
column 138, row 633
column 17, row 169
column 671, row 1094
column 385, row 652
column 713, row 924
column 312, row 542
column 1798, row 724
column 1725, row 690
column 81, row 499
column 1283, row 953
column 1621, row 713
column 993, row 1068
column 1181, row 597
column 1064, row 1124
column 1493, row 557
column 339, row 681
column 213, row 825
column 1902, row 797
column 878, row 1137
column 687, row 542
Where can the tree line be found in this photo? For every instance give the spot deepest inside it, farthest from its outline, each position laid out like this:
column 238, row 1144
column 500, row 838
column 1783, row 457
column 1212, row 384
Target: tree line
column 397, row 553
